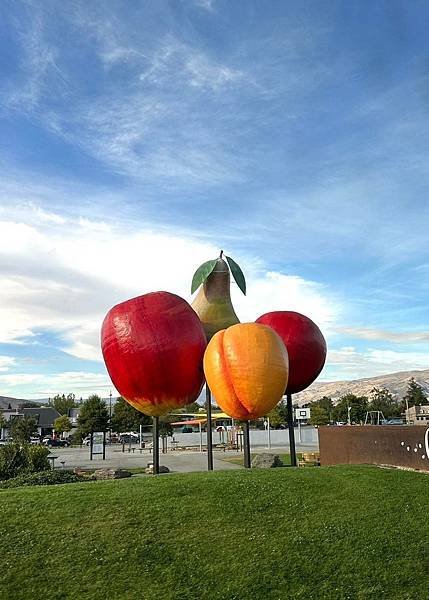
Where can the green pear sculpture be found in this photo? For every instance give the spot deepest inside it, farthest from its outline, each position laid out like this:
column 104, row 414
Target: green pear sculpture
column 213, row 303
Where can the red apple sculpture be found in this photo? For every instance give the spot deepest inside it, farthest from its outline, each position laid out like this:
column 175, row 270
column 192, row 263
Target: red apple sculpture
column 153, row 347
column 305, row 344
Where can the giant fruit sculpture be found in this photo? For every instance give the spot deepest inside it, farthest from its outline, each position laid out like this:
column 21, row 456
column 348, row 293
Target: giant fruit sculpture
column 246, row 367
column 305, row 344
column 213, row 303
column 153, row 347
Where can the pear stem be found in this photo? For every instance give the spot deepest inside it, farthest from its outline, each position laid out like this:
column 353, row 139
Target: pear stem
column 220, row 255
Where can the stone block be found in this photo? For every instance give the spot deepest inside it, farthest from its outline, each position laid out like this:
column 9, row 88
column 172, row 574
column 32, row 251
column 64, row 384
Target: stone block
column 266, row 460
column 162, row 469
column 110, row 474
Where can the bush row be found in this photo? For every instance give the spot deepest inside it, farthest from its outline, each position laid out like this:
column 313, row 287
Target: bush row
column 18, row 459
column 49, row 477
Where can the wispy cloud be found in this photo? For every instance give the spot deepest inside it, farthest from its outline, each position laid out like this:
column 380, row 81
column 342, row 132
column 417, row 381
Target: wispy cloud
column 398, row 337
column 349, row 363
column 205, row 4
column 6, row 362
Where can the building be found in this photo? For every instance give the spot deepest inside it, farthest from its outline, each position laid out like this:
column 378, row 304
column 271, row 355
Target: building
column 44, row 416
column 417, row 415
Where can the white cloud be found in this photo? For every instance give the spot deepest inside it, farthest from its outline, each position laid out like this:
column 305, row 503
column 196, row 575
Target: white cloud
column 34, row 386
column 276, row 291
column 399, row 337
column 64, row 279
column 6, row 362
column 349, row 363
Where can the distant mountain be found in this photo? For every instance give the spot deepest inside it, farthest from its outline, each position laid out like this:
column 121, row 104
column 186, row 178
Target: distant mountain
column 14, row 403
column 396, row 383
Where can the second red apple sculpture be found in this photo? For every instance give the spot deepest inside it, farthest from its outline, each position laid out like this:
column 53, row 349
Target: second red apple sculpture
column 306, row 348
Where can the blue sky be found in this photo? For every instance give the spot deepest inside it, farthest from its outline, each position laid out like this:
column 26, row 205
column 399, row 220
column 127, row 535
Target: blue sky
column 139, row 138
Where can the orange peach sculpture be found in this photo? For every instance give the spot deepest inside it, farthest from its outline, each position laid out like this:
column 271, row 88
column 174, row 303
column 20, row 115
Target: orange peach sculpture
column 246, row 367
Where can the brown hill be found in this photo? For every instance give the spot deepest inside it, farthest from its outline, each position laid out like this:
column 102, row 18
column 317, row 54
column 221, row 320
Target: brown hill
column 396, row 383
column 13, row 403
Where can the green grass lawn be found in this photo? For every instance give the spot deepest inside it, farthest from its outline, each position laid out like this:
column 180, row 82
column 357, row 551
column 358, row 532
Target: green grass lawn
column 332, row 533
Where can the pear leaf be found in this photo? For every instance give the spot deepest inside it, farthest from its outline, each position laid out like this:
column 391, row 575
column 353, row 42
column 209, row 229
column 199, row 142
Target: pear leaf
column 237, row 273
column 202, row 273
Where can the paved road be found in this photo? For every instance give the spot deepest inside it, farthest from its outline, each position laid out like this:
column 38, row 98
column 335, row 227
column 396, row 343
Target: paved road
column 179, row 461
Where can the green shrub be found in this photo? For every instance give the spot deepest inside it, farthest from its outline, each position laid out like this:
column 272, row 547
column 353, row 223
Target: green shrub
column 37, row 458
column 75, row 439
column 49, row 477
column 17, row 459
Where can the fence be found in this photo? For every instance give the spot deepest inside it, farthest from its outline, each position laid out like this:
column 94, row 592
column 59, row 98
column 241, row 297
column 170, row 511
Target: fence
column 258, row 438
column 402, row 446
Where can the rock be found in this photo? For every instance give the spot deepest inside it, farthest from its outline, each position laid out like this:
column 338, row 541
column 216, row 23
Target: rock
column 266, row 461
column 110, row 474
column 162, row 469
column 82, row 472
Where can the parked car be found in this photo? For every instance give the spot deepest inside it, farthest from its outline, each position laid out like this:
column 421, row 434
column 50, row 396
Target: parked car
column 35, row 441
column 55, row 443
column 129, row 438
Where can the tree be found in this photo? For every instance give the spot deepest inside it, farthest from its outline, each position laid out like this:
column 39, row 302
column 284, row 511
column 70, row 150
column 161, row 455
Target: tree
column 93, row 416
column 282, row 409
column 415, row 394
column 358, row 406
column 62, row 424
column 165, row 427
column 319, row 415
column 276, row 418
column 194, row 407
column 382, row 400
column 23, row 428
column 126, row 418
column 63, row 403
column 327, row 405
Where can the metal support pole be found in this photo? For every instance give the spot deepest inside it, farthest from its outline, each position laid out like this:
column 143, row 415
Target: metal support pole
column 104, row 445
column 246, row 441
column 91, row 442
column 293, row 460
column 209, row 429
column 110, row 416
column 155, row 450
